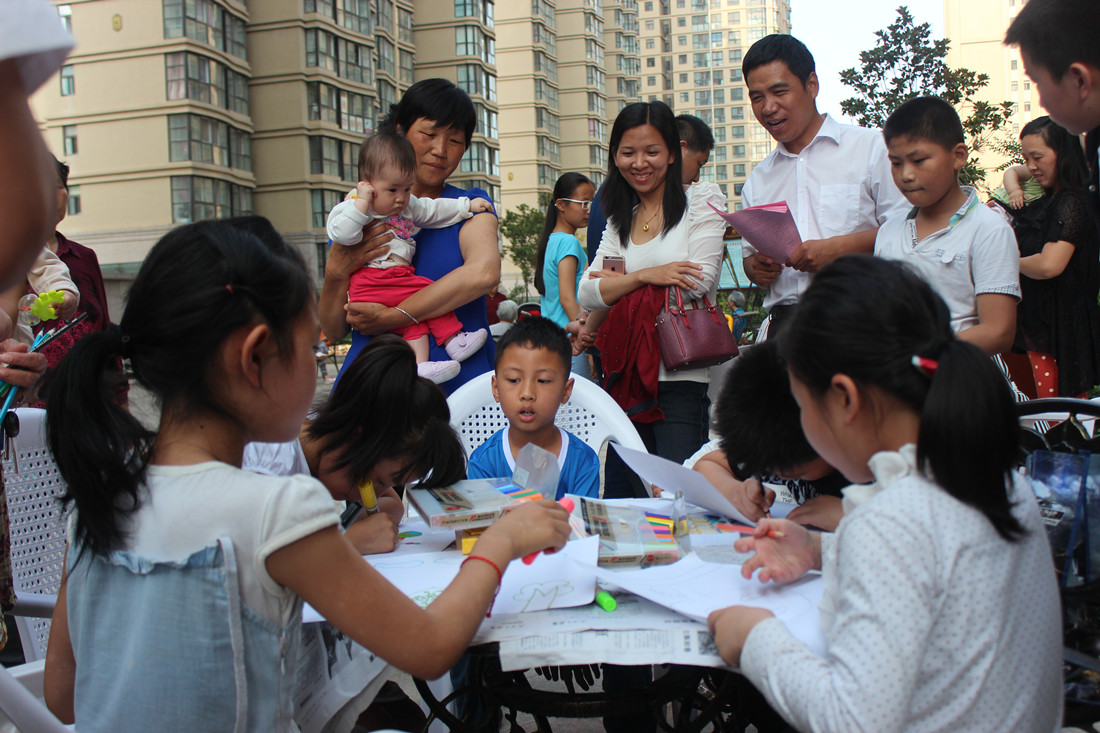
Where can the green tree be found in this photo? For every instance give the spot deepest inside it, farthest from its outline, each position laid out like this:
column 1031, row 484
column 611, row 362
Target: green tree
column 521, row 229
column 907, row 63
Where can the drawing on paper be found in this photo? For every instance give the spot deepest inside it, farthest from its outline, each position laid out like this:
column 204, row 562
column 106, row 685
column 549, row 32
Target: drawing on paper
column 541, row 596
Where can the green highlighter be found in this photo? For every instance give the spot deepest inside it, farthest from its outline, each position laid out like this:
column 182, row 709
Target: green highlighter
column 606, row 601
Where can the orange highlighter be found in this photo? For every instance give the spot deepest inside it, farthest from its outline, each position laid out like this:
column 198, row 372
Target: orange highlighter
column 773, row 533
column 566, row 504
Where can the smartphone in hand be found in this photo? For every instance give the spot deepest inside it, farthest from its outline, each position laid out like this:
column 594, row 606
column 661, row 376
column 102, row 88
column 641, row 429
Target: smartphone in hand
column 615, row 263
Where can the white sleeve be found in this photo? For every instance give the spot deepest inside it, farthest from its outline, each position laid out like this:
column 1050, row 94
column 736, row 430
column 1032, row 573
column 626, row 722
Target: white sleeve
column 889, row 201
column 705, row 245
column 437, row 213
column 746, row 201
column 345, row 223
column 50, row 273
column 31, row 34
column 297, row 507
column 275, row 459
column 588, row 294
column 883, row 618
column 995, row 260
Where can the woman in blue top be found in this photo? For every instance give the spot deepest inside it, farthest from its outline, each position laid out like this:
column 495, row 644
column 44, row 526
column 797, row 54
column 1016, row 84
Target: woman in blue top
column 438, row 118
column 561, row 258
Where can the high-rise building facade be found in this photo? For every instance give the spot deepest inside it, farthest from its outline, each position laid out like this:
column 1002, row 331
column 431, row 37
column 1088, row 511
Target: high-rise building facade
column 977, row 30
column 691, row 53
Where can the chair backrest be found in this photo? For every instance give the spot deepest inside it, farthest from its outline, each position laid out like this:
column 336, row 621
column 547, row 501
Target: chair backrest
column 36, row 523
column 590, row 414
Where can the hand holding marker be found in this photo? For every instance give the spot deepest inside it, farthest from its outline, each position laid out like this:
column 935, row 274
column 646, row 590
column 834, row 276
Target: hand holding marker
column 566, row 504
column 369, row 498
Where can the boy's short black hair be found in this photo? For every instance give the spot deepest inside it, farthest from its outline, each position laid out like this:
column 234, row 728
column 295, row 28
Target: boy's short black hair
column 536, row 332
column 1057, row 33
column 695, row 133
column 780, row 47
column 757, row 419
column 925, row 118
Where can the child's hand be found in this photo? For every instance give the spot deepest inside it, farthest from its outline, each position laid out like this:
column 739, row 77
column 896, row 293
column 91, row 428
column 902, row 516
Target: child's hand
column 823, row 512
column 31, row 366
column 372, row 534
column 532, row 526
column 1016, row 198
column 731, row 626
column 478, row 206
column 67, row 308
column 364, row 196
column 780, row 559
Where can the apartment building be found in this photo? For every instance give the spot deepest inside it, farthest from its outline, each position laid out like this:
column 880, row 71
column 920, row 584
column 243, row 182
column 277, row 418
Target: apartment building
column 171, row 111
column 691, row 53
column 977, row 30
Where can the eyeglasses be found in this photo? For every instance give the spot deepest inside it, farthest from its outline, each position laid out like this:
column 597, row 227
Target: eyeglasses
column 586, row 205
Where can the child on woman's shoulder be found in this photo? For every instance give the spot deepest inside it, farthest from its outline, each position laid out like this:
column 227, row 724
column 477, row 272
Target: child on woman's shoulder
column 531, row 382
column 940, row 608
column 966, row 252
column 387, row 169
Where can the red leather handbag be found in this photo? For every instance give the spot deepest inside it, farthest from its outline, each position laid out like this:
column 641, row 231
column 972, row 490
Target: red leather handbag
column 693, row 337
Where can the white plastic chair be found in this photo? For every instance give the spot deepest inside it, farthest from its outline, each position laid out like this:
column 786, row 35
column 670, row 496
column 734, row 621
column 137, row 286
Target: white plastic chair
column 23, row 709
column 37, row 531
column 590, row 414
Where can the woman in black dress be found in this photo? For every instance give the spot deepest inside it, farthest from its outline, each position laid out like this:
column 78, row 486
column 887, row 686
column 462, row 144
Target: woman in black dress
column 1058, row 321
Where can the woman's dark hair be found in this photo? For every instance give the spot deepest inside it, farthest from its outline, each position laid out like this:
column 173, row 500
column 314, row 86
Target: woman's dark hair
column 618, row 198
column 381, row 409
column 1073, row 171
column 881, row 315
column 438, row 100
column 198, row 285
column 565, row 188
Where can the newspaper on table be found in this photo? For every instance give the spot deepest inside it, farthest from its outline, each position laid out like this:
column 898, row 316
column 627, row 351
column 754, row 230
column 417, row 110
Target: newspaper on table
column 335, row 679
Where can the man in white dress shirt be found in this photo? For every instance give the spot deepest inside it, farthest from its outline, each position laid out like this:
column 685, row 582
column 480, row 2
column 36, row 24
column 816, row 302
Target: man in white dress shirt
column 834, row 177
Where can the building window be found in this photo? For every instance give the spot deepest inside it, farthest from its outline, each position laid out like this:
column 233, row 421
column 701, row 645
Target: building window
column 719, row 134
column 323, row 202
column 546, row 64
column 354, row 15
column 206, row 22
column 65, row 12
column 387, row 94
column 480, row 158
column 486, row 119
column 1013, row 64
column 406, row 68
column 548, row 148
column 546, row 92
column 739, row 151
column 322, row 102
column 203, row 139
column 468, row 41
column 385, row 56
column 473, row 79
column 739, row 169
column 597, row 156
column 548, row 175
column 321, row 49
column 385, row 14
column 68, row 81
column 719, row 152
column 355, row 63
column 596, row 103
column 331, row 157
column 404, row 25
column 196, row 197
column 597, row 129
column 68, row 139
column 352, row 112
column 734, row 39
column 1015, row 86
column 72, row 208
column 546, row 120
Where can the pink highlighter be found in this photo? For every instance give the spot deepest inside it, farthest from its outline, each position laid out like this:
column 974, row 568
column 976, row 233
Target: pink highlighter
column 566, row 504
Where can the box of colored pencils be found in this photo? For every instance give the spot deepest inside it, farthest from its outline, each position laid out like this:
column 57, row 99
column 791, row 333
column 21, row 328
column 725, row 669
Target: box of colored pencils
column 629, row 535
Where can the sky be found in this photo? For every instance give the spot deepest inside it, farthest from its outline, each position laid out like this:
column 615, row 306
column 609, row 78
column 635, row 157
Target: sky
column 836, row 32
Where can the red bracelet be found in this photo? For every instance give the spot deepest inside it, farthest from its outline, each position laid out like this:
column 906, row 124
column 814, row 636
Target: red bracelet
column 500, row 578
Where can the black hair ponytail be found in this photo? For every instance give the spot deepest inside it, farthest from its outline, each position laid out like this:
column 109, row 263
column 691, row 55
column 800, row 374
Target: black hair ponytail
column 198, row 284
column 868, row 318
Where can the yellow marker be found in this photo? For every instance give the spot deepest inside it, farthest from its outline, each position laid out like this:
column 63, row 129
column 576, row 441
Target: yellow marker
column 366, row 493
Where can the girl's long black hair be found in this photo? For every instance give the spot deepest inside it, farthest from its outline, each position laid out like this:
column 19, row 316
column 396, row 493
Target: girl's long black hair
column 867, row 318
column 565, row 188
column 618, row 197
column 199, row 284
column 382, row 409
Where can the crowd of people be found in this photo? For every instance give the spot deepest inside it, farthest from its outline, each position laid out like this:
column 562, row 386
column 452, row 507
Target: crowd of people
column 874, row 394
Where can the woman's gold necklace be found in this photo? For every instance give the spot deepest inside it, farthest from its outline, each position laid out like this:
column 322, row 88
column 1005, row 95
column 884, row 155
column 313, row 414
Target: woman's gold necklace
column 645, row 224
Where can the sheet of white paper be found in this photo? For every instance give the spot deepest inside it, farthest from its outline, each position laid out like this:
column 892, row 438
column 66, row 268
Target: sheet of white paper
column 673, row 477
column 561, row 580
column 692, row 645
column 415, row 536
column 694, row 588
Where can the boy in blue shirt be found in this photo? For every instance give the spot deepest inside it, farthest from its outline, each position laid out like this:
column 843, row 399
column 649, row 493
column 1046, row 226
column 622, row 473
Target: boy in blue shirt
column 531, row 381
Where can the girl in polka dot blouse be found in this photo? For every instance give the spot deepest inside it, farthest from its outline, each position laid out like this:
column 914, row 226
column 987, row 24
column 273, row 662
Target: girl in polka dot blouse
column 940, row 609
